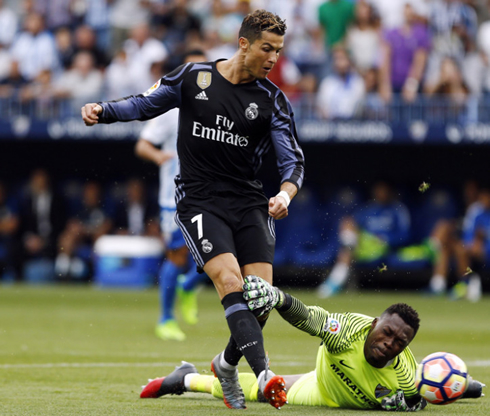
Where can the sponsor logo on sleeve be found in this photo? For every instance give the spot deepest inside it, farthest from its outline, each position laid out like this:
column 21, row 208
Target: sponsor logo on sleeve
column 333, row 326
column 153, row 88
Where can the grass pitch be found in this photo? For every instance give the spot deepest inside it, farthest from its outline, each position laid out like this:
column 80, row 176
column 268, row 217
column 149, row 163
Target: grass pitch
column 86, row 351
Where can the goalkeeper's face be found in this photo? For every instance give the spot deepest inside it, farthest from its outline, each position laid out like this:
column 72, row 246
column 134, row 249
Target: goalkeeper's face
column 388, row 337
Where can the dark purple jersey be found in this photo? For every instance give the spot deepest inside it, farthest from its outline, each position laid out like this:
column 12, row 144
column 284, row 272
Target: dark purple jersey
column 225, row 129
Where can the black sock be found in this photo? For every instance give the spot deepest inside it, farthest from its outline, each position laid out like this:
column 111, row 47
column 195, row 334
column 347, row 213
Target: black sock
column 246, row 334
column 232, row 353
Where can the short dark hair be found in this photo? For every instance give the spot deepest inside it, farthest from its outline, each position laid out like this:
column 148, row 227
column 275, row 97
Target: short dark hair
column 261, row 21
column 407, row 313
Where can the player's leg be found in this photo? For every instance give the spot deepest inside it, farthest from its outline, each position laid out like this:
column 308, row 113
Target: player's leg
column 174, row 264
column 210, row 241
column 245, row 330
column 185, row 378
column 336, row 280
column 255, row 259
column 187, row 291
column 441, row 241
column 232, row 353
column 255, row 242
column 172, row 267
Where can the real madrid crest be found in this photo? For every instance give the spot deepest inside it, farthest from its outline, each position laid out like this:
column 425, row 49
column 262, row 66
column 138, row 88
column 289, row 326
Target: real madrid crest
column 252, row 111
column 204, row 79
column 207, row 247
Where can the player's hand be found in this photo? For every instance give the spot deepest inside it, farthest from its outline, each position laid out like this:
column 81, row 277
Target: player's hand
column 261, row 297
column 398, row 403
column 278, row 208
column 90, row 113
column 165, row 156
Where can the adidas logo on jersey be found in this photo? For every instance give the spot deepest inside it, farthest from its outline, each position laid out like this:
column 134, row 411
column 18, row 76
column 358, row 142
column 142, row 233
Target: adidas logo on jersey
column 202, row 96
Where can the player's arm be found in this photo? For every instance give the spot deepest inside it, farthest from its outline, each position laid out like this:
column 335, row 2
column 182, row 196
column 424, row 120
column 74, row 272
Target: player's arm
column 161, row 97
column 262, row 297
column 148, row 151
column 290, row 159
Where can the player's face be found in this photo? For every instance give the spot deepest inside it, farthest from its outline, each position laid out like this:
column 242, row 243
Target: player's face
column 388, row 337
column 262, row 55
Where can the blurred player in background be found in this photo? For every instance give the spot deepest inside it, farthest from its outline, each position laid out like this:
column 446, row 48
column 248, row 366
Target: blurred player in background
column 362, row 362
column 374, row 230
column 158, row 144
column 230, row 116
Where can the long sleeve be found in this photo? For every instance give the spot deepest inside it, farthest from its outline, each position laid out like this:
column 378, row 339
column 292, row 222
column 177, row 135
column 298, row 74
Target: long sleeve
column 290, row 159
column 160, row 98
column 310, row 319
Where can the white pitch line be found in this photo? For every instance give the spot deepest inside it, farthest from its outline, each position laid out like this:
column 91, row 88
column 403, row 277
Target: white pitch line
column 470, row 364
column 95, row 365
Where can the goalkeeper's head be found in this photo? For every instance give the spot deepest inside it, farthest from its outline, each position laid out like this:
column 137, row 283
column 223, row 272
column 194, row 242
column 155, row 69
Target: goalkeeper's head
column 390, row 334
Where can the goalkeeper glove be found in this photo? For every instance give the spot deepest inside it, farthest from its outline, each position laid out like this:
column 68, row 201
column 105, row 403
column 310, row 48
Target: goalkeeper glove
column 261, row 297
column 398, row 403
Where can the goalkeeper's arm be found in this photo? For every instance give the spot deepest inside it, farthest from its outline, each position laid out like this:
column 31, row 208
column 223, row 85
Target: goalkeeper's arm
column 261, row 296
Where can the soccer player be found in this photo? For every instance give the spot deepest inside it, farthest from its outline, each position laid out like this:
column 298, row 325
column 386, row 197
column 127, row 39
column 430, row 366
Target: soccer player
column 362, row 362
column 375, row 230
column 162, row 132
column 230, row 116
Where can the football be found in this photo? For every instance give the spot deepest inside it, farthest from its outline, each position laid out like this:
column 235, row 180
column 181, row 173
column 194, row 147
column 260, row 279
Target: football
column 441, row 378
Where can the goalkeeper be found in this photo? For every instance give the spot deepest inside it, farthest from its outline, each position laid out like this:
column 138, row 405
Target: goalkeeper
column 362, row 363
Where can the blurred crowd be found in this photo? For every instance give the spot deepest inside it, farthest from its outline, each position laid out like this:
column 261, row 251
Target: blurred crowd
column 342, row 58
column 48, row 231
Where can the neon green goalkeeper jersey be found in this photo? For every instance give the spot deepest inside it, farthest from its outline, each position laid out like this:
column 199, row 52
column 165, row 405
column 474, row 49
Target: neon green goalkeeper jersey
column 344, row 377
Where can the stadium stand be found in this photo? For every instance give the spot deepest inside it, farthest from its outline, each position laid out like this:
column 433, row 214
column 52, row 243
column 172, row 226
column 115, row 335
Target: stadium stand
column 438, row 100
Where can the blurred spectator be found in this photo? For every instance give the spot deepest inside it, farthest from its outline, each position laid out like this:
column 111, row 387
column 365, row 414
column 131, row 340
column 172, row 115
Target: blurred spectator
column 64, row 47
column 142, row 51
column 77, row 239
column 335, row 16
column 85, row 40
column 392, row 12
column 56, row 13
column 9, row 224
column 374, row 106
column 453, row 25
column 8, row 24
column 368, row 236
column 116, row 80
column 124, row 15
column 43, row 217
column 218, row 38
column 34, row 49
column 97, row 17
column 341, row 94
column 134, row 214
column 81, row 83
column 452, row 248
column 484, row 47
column 304, row 43
column 37, row 94
column 286, row 75
column 478, row 242
column 11, row 85
column 364, row 38
column 404, row 58
column 452, row 89
column 179, row 30
column 5, row 63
